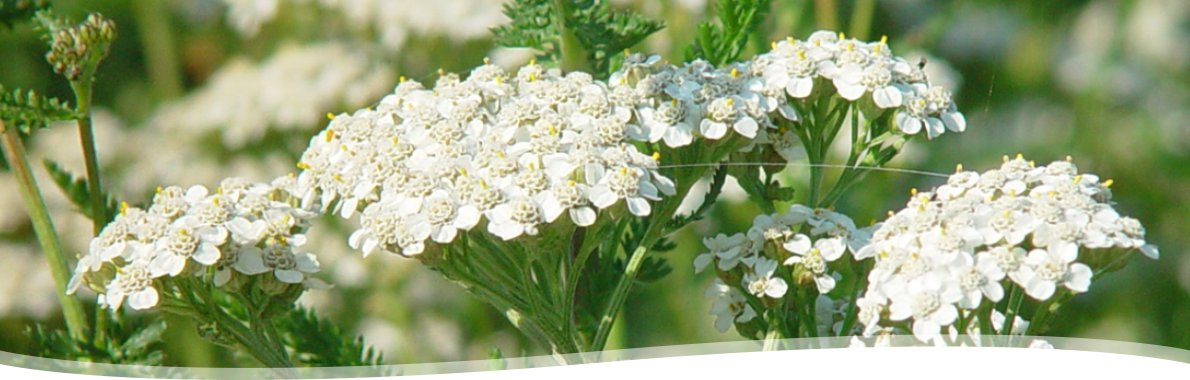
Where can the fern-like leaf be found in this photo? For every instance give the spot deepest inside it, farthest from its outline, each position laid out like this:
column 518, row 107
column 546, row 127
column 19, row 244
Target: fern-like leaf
column 26, row 110
column 603, row 32
column 724, row 42
column 531, row 25
column 320, row 343
column 126, row 342
column 79, row 192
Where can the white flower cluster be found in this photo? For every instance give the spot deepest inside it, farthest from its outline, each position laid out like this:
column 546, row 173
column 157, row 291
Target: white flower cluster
column 242, row 229
column 288, row 91
column 807, row 240
column 749, row 97
column 951, row 249
column 517, row 150
column 859, row 71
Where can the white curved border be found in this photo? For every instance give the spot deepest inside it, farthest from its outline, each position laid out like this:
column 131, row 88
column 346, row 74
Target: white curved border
column 1073, row 354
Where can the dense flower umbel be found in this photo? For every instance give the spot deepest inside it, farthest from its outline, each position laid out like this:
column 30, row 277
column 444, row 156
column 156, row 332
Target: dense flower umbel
column 241, row 230
column 805, row 241
column 517, row 150
column 750, row 97
column 1041, row 229
column 511, row 152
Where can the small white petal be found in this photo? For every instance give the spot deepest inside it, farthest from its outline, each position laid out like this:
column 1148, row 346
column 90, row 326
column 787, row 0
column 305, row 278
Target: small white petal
column 712, row 130
column 206, row 254
column 143, row 299
column 250, row 262
column 583, row 216
column 800, row 87
column 799, row 244
column 638, row 206
column 602, row 197
column 289, row 276
column 887, row 97
column 746, row 127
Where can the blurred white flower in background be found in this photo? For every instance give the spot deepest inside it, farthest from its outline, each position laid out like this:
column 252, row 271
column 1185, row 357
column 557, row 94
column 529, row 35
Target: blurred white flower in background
column 290, row 90
column 1153, row 31
column 1124, row 54
column 246, row 16
column 60, row 144
column 391, row 21
column 26, row 287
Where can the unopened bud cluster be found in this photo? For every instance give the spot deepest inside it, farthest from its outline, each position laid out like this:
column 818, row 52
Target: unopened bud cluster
column 75, row 51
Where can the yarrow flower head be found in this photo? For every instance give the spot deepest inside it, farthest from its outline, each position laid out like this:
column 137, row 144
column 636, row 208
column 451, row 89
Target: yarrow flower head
column 226, row 237
column 1043, row 229
column 857, row 71
column 506, row 152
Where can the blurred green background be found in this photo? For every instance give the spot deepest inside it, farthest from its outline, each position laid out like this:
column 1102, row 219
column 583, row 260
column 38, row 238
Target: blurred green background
column 194, row 91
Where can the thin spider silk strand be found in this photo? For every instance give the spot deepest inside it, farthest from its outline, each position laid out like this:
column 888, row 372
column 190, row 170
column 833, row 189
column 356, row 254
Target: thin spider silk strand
column 835, row 166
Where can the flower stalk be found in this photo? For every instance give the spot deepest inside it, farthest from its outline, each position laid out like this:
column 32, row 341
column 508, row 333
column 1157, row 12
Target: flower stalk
column 43, row 227
column 82, row 94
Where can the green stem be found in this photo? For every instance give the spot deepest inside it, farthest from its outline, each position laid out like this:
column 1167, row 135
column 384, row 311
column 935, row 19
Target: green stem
column 43, row 227
column 1037, row 324
column 1015, row 298
column 158, row 43
column 101, row 327
column 573, row 57
column 826, row 13
column 82, row 94
column 985, row 320
column 250, row 338
column 860, row 285
column 619, row 295
column 861, row 18
column 772, row 339
column 815, row 174
column 809, row 301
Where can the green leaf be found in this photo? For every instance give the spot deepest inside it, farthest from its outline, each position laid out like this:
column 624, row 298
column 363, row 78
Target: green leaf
column 127, row 340
column 27, row 110
column 79, row 193
column 14, row 11
column 654, row 269
column 318, row 342
column 531, row 25
column 603, row 32
column 724, row 42
column 142, row 340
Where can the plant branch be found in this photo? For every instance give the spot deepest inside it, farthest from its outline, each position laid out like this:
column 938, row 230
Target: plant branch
column 43, row 227
column 619, row 295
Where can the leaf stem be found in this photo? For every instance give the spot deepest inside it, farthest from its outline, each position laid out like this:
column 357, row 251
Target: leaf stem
column 43, row 227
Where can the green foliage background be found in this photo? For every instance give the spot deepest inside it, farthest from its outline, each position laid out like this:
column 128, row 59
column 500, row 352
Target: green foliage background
column 1009, row 54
